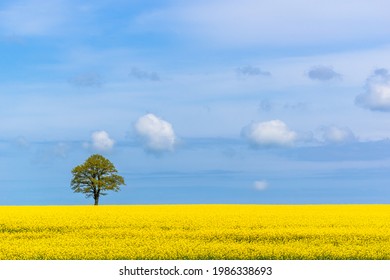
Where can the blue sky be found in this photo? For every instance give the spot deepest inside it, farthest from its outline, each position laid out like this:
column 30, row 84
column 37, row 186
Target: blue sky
column 196, row 101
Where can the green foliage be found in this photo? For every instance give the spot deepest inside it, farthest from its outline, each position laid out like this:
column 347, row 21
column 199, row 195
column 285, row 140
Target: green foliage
column 96, row 176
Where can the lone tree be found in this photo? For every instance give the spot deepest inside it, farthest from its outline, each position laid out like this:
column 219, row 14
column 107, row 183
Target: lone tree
column 95, row 176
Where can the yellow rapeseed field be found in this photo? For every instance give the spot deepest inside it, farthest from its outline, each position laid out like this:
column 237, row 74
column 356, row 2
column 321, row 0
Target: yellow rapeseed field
column 195, row 232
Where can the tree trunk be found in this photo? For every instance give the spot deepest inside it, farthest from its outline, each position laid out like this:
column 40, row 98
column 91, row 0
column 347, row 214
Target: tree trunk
column 96, row 200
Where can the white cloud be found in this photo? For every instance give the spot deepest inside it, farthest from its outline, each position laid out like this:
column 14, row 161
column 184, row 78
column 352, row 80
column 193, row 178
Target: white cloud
column 157, row 135
column 101, row 141
column 271, row 133
column 260, row 185
column 377, row 92
column 335, row 134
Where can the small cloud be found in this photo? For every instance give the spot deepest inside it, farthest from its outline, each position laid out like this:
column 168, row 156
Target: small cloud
column 337, row 135
column 88, row 79
column 297, row 106
column 260, row 185
column 271, row 133
column 22, row 142
column 252, row 71
column 156, row 134
column 381, row 73
column 100, row 141
column 323, row 73
column 144, row 75
column 60, row 150
column 49, row 152
column 376, row 96
column 265, row 105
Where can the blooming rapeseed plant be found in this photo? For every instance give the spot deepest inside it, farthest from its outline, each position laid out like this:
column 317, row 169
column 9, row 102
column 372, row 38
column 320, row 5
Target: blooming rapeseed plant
column 195, row 232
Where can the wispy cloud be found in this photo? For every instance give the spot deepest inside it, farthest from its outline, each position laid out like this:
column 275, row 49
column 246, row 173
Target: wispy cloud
column 22, row 142
column 266, row 105
column 376, row 96
column 61, row 150
column 47, row 152
column 253, row 23
column 337, row 134
column 323, row 73
column 156, row 134
column 87, row 79
column 295, row 106
column 252, row 71
column 32, row 17
column 144, row 75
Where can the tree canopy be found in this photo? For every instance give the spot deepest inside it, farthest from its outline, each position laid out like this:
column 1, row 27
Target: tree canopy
column 96, row 176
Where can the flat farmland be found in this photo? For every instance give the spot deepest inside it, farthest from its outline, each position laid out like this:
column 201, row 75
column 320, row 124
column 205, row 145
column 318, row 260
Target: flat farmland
column 199, row 232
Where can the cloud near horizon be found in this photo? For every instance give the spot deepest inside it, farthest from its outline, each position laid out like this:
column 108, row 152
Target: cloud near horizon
column 156, row 134
column 270, row 133
column 377, row 92
column 260, row 185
